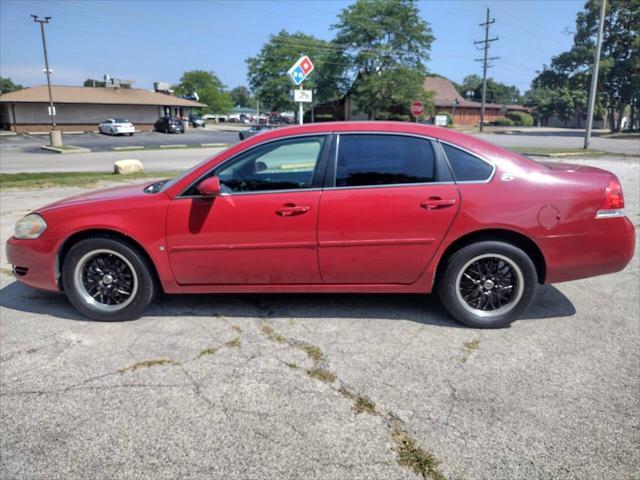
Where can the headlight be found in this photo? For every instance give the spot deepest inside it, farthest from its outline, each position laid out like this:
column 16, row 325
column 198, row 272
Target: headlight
column 30, row 227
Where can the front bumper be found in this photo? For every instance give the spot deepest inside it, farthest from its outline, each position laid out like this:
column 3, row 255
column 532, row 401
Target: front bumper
column 33, row 263
column 607, row 247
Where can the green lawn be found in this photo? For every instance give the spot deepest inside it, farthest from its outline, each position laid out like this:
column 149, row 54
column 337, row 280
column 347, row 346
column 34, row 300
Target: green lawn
column 72, row 179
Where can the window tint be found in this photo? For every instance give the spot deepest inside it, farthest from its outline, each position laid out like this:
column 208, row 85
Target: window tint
column 383, row 160
column 284, row 165
column 467, row 167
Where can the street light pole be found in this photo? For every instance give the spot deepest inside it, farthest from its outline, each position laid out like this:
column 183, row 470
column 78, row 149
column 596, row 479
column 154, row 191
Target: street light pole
column 46, row 66
column 594, row 78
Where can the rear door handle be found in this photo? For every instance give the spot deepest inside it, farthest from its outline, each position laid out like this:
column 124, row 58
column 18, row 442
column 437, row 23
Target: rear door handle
column 433, row 203
column 290, row 209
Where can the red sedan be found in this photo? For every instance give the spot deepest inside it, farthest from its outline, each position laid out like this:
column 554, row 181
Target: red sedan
column 343, row 207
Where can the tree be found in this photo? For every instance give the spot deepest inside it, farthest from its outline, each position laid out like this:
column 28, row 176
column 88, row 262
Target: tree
column 619, row 76
column 209, row 88
column 90, row 82
column 386, row 45
column 242, row 97
column 6, row 85
column 496, row 92
column 268, row 70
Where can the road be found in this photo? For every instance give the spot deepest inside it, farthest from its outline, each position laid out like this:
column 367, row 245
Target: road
column 227, row 387
column 560, row 138
column 21, row 153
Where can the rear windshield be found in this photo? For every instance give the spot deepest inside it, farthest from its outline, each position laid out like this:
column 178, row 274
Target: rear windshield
column 121, row 120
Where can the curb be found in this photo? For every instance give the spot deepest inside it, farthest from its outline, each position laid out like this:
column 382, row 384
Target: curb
column 71, row 149
column 133, row 147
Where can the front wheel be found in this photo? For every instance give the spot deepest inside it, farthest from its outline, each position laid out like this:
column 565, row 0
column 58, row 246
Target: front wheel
column 488, row 284
column 107, row 280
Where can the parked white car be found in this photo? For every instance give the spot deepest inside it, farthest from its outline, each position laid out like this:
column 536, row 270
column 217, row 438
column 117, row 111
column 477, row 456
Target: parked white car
column 117, row 126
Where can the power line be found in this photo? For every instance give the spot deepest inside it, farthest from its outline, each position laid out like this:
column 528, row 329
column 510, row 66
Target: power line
column 485, row 62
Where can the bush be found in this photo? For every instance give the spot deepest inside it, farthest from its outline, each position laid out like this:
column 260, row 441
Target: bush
column 520, row 118
column 502, row 122
column 448, row 115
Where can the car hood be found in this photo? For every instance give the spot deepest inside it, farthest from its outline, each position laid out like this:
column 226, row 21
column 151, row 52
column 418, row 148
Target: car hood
column 117, row 193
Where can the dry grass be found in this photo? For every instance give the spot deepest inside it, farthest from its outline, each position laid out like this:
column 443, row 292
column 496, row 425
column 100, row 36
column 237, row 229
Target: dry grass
column 148, row 363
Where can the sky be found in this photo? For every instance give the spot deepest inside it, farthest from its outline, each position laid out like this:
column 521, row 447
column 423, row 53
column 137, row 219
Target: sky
column 157, row 40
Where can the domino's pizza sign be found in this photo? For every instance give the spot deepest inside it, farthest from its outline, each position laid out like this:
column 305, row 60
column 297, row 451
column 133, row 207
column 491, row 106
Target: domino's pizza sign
column 300, row 70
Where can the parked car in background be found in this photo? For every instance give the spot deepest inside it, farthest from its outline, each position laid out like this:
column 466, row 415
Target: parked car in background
column 367, row 207
column 196, row 121
column 117, row 126
column 169, row 125
column 254, row 130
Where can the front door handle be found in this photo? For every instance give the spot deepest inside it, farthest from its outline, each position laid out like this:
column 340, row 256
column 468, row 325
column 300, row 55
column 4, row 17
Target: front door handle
column 290, row 209
column 433, row 203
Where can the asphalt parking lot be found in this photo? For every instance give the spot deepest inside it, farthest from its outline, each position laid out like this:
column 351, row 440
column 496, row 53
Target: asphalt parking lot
column 98, row 142
column 322, row 386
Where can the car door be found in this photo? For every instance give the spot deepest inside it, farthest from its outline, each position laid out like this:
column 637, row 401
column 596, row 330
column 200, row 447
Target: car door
column 389, row 203
column 262, row 229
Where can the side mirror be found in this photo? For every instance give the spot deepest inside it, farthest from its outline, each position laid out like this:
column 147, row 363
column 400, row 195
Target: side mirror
column 209, row 187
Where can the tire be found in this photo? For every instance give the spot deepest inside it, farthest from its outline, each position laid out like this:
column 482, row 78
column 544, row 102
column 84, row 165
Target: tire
column 488, row 284
column 125, row 267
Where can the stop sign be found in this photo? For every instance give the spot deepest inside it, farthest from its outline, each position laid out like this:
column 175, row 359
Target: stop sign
column 417, row 109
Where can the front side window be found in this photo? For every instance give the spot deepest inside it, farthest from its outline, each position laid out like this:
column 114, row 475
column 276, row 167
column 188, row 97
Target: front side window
column 282, row 165
column 467, row 167
column 375, row 159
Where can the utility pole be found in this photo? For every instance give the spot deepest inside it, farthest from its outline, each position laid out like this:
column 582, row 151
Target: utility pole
column 485, row 62
column 52, row 112
column 594, row 78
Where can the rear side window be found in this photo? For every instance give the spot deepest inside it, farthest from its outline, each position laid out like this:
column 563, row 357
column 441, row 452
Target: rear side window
column 467, row 167
column 370, row 159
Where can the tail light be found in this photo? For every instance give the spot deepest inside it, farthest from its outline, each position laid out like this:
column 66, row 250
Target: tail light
column 613, row 204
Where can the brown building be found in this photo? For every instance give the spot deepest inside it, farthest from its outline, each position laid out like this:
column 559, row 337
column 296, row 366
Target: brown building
column 83, row 108
column 466, row 112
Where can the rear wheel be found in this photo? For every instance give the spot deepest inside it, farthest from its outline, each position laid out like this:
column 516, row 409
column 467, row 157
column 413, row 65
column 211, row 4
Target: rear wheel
column 107, row 280
column 488, row 284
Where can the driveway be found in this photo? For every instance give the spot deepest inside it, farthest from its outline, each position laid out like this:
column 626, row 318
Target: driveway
column 322, row 386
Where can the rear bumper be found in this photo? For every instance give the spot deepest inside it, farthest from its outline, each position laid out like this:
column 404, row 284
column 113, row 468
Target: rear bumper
column 33, row 263
column 607, row 247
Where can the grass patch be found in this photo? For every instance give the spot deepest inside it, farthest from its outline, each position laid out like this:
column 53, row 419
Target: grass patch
column 72, row 179
column 235, row 343
column 314, row 353
column 322, row 374
column 156, row 362
column 237, row 328
column 292, row 366
column 208, row 351
column 409, row 454
column 271, row 333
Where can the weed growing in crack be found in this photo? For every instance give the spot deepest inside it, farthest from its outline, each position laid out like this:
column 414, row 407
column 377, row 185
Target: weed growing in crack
column 271, row 334
column 412, row 456
column 237, row 328
column 314, row 353
column 208, row 351
column 322, row 374
column 235, row 343
column 469, row 348
column 360, row 404
column 293, row 366
column 148, row 363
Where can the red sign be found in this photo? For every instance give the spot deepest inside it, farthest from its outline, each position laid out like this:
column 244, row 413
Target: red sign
column 417, row 109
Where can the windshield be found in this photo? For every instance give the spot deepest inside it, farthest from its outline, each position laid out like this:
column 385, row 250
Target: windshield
column 121, row 120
